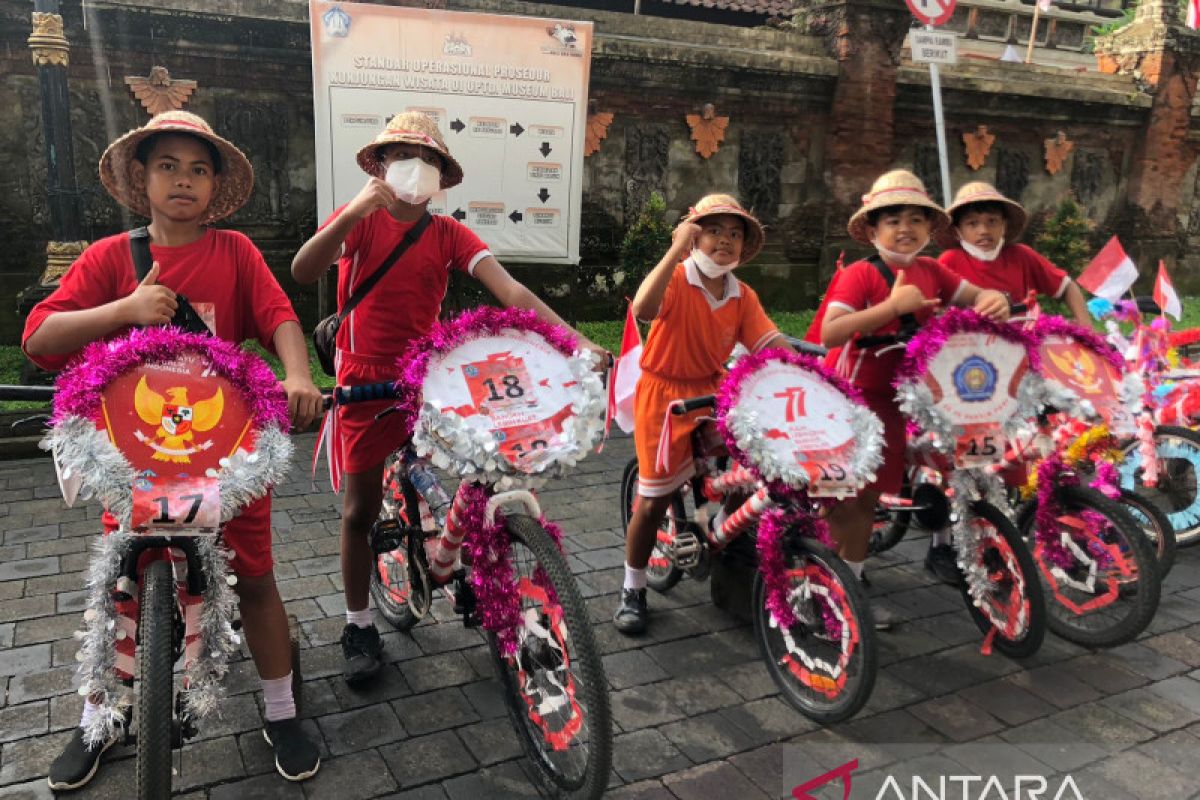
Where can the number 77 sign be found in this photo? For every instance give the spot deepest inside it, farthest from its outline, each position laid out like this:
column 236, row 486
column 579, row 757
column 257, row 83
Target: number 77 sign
column 931, row 12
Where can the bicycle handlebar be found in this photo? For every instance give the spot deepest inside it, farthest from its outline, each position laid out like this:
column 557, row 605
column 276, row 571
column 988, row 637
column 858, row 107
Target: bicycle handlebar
column 807, row 348
column 681, row 407
column 896, row 338
column 10, row 392
column 358, row 394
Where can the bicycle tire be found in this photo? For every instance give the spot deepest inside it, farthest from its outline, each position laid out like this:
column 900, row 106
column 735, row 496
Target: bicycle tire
column 1011, row 548
column 1066, row 601
column 390, row 592
column 574, row 638
column 659, row 578
column 780, row 663
column 1178, row 492
column 1157, row 527
column 156, row 690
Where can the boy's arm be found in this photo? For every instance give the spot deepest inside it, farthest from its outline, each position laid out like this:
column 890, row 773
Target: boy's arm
column 841, row 323
column 68, row 331
column 322, row 250
column 988, row 302
column 648, row 300
column 1073, row 297
column 513, row 294
column 304, row 398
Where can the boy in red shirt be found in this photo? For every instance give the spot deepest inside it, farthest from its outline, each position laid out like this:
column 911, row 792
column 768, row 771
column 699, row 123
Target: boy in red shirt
column 182, row 176
column 699, row 312
column 407, row 163
column 897, row 218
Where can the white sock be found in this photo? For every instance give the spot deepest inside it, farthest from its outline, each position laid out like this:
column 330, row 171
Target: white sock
column 277, row 698
column 855, row 566
column 90, row 710
column 940, row 538
column 634, row 578
column 362, row 619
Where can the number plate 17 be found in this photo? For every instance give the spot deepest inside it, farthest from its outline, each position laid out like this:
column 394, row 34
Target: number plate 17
column 181, row 505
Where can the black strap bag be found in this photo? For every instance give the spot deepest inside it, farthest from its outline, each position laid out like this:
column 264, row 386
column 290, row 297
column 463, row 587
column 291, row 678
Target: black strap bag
column 186, row 318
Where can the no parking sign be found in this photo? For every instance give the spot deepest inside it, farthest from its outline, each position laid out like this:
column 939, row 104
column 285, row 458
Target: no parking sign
column 931, row 12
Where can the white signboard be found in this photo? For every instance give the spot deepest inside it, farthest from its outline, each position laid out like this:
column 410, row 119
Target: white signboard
column 509, row 95
column 933, row 47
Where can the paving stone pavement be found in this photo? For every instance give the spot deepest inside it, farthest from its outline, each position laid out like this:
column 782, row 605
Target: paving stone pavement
column 696, row 715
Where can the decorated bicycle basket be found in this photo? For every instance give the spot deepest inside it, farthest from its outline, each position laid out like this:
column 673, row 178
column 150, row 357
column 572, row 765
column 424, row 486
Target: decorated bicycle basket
column 967, row 382
column 498, row 396
column 796, row 422
column 175, row 434
column 1088, row 375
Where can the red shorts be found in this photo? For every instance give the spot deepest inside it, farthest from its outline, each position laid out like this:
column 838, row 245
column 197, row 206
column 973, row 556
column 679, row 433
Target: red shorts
column 366, row 441
column 890, row 475
column 248, row 535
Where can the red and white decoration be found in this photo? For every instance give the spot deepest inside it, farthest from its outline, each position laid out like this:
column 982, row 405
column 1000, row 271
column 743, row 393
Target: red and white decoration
column 1111, row 272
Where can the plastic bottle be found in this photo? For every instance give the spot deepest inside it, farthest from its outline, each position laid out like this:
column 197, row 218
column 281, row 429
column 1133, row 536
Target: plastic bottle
column 427, row 484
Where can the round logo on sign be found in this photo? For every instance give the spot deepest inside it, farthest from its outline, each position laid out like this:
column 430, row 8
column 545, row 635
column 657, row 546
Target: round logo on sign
column 931, row 12
column 975, row 380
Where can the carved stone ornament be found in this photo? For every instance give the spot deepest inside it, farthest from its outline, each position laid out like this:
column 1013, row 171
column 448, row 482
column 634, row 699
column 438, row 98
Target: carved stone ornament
column 1012, row 173
column 708, row 130
column 159, row 92
column 1058, row 147
column 978, row 145
column 59, row 258
column 48, row 42
column 597, row 131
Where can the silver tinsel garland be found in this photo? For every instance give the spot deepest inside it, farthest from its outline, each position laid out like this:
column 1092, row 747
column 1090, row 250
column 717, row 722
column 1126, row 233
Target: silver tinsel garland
column 98, row 652
column 468, row 448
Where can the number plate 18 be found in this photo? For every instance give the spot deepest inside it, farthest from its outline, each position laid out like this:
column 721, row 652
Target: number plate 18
column 180, row 505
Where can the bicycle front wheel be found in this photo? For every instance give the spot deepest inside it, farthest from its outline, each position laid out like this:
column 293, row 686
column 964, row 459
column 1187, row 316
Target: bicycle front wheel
column 156, row 692
column 556, row 691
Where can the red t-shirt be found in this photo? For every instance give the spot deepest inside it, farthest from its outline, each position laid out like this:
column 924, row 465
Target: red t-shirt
column 860, row 286
column 1017, row 270
column 406, row 303
column 222, row 275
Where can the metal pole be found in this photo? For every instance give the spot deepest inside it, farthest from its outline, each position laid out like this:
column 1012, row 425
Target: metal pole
column 935, row 83
column 1037, row 8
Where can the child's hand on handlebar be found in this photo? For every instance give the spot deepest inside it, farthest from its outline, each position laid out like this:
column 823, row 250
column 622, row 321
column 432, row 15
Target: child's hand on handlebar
column 603, row 360
column 305, row 401
column 992, row 304
column 908, row 299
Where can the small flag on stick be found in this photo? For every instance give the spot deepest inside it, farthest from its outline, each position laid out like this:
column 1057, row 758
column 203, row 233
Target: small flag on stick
column 1111, row 272
column 628, row 371
column 1165, row 294
column 1193, row 14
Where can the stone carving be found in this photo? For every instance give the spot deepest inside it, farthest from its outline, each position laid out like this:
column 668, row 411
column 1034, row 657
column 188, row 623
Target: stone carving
column 1087, row 176
column 929, row 170
column 159, row 92
column 978, row 145
column 760, row 170
column 597, row 131
column 59, row 258
column 1012, row 173
column 646, row 150
column 261, row 131
column 1058, row 147
column 48, row 42
column 708, row 130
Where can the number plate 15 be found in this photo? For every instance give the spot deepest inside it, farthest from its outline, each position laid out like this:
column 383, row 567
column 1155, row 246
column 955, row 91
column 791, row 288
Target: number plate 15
column 180, row 505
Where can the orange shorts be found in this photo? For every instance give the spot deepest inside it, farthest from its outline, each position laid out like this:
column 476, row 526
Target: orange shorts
column 366, row 441
column 654, row 395
column 248, row 535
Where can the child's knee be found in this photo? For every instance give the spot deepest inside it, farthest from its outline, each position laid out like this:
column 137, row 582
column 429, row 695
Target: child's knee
column 256, row 589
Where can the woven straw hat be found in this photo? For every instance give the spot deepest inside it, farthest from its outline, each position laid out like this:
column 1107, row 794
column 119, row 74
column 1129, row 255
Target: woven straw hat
column 712, row 204
column 980, row 192
column 411, row 127
column 896, row 188
column 235, row 179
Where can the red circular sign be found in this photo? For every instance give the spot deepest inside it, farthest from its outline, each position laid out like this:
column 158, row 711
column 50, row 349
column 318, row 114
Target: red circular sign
column 931, row 12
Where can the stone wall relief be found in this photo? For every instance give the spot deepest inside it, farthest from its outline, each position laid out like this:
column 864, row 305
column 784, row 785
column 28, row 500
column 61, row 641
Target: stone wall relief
column 1058, row 147
column 760, row 171
column 1012, row 173
column 646, row 150
column 159, row 92
column 708, row 130
column 978, row 144
column 260, row 129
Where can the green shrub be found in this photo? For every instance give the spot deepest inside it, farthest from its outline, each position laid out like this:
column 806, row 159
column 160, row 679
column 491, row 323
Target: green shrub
column 646, row 241
column 1064, row 240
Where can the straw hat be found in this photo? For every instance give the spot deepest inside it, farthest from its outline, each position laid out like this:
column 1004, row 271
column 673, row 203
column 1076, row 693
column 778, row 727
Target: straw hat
column 980, row 192
column 896, row 188
column 412, row 127
column 236, row 176
column 712, row 204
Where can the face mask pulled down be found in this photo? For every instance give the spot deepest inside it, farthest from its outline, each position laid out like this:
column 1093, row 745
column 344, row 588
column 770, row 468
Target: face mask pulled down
column 710, row 268
column 899, row 259
column 413, row 180
column 980, row 253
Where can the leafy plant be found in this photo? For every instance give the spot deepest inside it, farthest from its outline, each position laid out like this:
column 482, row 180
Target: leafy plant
column 1115, row 25
column 1064, row 239
column 647, row 239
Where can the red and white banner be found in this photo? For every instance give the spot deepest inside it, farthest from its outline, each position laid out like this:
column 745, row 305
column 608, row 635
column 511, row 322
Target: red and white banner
column 1193, row 14
column 627, row 372
column 1165, row 294
column 1111, row 272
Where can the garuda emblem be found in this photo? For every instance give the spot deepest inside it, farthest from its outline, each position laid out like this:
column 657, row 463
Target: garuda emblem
column 177, row 421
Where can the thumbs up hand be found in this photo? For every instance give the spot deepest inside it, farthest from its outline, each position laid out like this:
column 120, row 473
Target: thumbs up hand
column 150, row 304
column 908, row 299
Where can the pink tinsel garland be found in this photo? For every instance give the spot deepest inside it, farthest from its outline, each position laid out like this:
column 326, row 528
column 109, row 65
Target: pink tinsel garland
column 772, row 563
column 484, row 321
column 931, row 338
column 1051, row 474
column 1057, row 326
column 80, row 385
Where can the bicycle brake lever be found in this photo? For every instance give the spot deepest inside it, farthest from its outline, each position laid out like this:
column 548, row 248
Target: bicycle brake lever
column 386, row 411
column 21, row 423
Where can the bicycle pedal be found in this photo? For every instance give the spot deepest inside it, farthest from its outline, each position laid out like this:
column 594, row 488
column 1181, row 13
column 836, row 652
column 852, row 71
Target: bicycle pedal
column 386, row 535
column 687, row 549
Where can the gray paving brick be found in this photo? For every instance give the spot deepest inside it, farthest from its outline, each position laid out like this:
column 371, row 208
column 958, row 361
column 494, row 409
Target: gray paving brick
column 631, row 668
column 1151, row 709
column 643, row 707
column 435, row 711
column 1105, row 673
column 268, row 786
column 1056, row 685
column 18, row 722
column 30, row 758
column 47, row 629
column 359, row 729
column 769, row 719
column 387, row 685
column 646, row 754
column 1143, row 660
column 32, row 790
column 22, row 660
column 487, row 698
column 709, row 781
column 444, row 637
column 26, row 608
column 1008, row 702
column 209, row 762
column 1147, row 779
column 643, row 790
column 705, row 738
column 433, row 672
column 1103, row 726
column 6, row 634
column 1181, row 690
column 29, row 568
column 359, row 775
column 492, row 741
column 40, row 682
column 425, row 759
column 506, row 780
column 956, row 718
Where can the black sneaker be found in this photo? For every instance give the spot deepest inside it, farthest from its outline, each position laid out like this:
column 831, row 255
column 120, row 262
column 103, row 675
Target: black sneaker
column 631, row 614
column 296, row 757
column 942, row 564
column 77, row 763
column 361, row 647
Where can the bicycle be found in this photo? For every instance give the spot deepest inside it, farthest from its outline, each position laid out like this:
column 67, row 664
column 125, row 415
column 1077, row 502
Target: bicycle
column 498, row 400
column 171, row 471
column 791, row 437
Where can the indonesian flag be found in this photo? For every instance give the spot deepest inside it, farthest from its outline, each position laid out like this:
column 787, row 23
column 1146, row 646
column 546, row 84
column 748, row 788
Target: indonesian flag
column 627, row 372
column 1111, row 272
column 1193, row 14
column 1164, row 291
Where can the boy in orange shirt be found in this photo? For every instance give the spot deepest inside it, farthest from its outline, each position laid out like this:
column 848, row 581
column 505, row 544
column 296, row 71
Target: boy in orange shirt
column 699, row 312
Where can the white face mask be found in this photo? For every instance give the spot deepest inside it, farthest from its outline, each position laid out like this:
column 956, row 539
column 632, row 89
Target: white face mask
column 899, row 259
column 983, row 255
column 710, row 268
column 413, row 180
